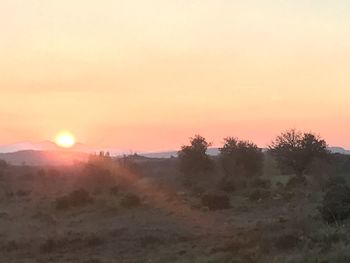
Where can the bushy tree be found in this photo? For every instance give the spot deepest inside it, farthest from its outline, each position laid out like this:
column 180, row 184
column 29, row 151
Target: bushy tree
column 193, row 158
column 296, row 150
column 241, row 157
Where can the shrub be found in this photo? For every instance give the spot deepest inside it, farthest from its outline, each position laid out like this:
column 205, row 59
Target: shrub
column 287, row 242
column 241, row 158
column 93, row 241
column 336, row 204
column 197, row 190
column 62, row 203
column 12, row 245
column 259, row 194
column 216, row 201
column 227, row 185
column 96, row 175
column 334, row 181
column 193, row 159
column 261, row 183
column 149, row 240
column 130, row 200
column 74, row 199
column 49, row 246
column 296, row 181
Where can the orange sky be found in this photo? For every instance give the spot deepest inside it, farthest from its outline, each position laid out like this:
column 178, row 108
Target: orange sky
column 146, row 75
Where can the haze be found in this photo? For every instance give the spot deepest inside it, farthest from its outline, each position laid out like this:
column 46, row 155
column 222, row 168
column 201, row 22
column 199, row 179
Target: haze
column 146, row 75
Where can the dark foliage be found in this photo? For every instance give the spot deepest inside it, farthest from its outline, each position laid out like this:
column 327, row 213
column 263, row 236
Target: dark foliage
column 193, row 158
column 296, row 181
column 130, row 200
column 340, row 164
column 149, row 241
column 295, row 150
column 49, row 246
column 216, row 201
column 261, row 183
column 96, row 176
column 259, row 194
column 74, row 199
column 336, row 204
column 227, row 184
column 241, row 157
column 334, row 181
column 287, row 242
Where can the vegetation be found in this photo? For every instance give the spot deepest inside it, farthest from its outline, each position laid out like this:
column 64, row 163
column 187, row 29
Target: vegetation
column 296, row 150
column 241, row 158
column 336, row 204
column 76, row 198
column 193, row 158
column 142, row 209
column 216, row 201
column 130, row 200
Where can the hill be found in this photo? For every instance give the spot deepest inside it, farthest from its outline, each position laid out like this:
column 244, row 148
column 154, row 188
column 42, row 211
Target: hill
column 31, row 157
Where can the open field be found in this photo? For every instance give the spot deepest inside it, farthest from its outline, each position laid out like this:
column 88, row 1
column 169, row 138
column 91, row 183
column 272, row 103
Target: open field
column 153, row 217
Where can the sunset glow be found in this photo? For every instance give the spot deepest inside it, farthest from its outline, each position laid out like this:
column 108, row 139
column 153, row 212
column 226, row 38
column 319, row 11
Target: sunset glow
column 65, row 140
column 148, row 78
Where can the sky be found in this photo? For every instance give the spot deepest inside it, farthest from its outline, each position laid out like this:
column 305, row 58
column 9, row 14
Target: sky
column 147, row 75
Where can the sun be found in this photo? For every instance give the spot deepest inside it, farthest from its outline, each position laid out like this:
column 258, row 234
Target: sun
column 65, row 139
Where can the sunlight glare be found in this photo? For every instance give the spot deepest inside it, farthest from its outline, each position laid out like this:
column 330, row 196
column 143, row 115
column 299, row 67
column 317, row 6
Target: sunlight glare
column 65, row 139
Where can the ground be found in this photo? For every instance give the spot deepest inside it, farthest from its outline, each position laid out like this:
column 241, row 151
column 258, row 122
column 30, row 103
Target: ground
column 169, row 225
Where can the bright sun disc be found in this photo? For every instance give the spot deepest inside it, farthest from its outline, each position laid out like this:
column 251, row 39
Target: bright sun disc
column 65, row 139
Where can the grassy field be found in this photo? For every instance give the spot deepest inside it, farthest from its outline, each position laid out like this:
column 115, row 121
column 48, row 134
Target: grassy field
column 148, row 214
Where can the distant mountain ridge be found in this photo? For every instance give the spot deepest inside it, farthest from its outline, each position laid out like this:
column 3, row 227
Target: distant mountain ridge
column 51, row 146
column 48, row 153
column 339, row 150
column 216, row 151
column 33, row 157
column 169, row 154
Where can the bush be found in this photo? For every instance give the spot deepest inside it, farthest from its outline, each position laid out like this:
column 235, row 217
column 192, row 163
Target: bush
column 261, row 183
column 287, row 242
column 193, row 159
column 216, row 201
column 259, row 194
column 96, row 176
column 296, row 181
column 334, row 181
column 74, row 199
column 227, row 185
column 130, row 201
column 149, row 240
column 49, row 246
column 241, row 158
column 336, row 204
column 197, row 190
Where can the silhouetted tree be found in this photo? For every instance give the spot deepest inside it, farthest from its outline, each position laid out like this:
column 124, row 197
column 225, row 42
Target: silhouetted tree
column 297, row 150
column 193, row 158
column 241, row 157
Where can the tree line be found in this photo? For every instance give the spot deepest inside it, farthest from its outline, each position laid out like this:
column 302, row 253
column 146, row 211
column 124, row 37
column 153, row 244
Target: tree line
column 293, row 150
